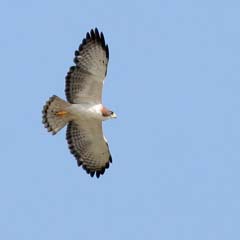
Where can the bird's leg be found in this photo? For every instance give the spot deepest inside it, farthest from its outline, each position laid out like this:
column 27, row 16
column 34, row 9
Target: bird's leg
column 61, row 113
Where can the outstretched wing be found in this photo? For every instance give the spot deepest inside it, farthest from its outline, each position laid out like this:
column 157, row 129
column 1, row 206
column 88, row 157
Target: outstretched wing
column 85, row 80
column 86, row 142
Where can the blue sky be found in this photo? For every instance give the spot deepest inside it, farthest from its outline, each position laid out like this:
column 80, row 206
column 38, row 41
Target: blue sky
column 173, row 80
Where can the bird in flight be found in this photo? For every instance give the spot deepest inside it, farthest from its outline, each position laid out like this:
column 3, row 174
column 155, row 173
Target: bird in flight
column 83, row 112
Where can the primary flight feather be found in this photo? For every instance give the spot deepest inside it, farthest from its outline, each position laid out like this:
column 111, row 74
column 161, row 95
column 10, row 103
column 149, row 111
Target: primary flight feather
column 83, row 111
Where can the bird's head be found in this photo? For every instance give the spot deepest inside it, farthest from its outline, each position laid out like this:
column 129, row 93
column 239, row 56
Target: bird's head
column 108, row 114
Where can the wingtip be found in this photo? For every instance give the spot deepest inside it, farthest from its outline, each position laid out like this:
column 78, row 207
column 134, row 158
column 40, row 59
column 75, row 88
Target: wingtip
column 97, row 173
column 95, row 35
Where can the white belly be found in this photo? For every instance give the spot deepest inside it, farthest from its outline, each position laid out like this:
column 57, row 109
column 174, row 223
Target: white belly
column 86, row 111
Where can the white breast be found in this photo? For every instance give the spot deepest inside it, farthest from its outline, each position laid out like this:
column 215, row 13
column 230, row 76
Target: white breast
column 86, row 111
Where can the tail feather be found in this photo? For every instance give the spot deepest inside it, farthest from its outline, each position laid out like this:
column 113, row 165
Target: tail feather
column 50, row 118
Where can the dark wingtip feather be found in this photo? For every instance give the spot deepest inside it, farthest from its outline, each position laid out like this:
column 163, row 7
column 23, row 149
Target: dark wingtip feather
column 88, row 35
column 71, row 69
column 107, row 51
column 102, row 171
column 102, row 40
column 76, row 60
column 107, row 165
column 97, row 36
column 84, row 167
column 97, row 174
column 80, row 47
column 92, row 34
column 84, row 41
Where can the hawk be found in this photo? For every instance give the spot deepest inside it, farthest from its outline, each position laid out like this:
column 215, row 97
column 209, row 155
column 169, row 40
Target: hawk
column 83, row 112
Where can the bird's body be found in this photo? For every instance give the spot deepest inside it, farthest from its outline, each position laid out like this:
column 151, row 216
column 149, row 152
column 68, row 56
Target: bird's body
column 86, row 111
column 83, row 113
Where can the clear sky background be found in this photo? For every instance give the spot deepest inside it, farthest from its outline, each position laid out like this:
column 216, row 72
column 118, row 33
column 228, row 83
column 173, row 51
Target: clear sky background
column 174, row 82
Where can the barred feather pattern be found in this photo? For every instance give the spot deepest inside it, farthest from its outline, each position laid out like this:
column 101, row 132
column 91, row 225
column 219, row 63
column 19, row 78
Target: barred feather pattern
column 84, row 81
column 89, row 147
column 51, row 121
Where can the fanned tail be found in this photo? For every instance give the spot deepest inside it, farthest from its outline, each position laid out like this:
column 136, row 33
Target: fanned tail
column 55, row 116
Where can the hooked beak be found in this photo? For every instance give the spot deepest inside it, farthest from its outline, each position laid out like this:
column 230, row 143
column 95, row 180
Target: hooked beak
column 114, row 115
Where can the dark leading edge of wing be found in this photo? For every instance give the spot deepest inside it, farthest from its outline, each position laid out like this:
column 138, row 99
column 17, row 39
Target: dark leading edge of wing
column 92, row 36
